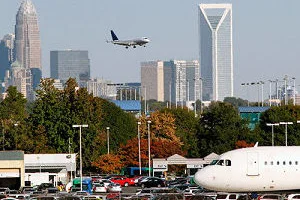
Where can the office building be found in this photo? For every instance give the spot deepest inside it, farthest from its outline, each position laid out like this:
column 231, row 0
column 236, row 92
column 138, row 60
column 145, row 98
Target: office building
column 6, row 54
column 182, row 82
column 175, row 81
column 67, row 64
column 28, row 45
column 102, row 88
column 152, row 80
column 216, row 55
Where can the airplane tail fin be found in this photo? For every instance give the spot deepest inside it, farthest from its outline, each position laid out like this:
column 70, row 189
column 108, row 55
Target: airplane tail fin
column 113, row 35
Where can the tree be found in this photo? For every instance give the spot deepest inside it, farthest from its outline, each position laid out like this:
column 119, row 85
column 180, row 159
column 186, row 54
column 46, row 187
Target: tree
column 108, row 164
column 276, row 114
column 236, row 102
column 220, row 128
column 186, row 128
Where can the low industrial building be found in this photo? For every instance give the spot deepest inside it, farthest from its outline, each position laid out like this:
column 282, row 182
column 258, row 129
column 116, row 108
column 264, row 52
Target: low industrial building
column 18, row 169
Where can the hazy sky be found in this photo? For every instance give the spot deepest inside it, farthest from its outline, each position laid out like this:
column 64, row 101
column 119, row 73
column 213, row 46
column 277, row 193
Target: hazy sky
column 266, row 35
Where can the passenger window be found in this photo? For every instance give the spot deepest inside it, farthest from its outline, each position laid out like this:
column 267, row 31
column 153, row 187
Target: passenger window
column 266, row 162
column 278, row 162
column 290, row 162
column 228, row 162
column 296, row 162
column 283, row 162
column 271, row 162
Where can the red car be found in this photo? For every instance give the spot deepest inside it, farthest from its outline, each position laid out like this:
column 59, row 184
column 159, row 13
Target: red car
column 122, row 180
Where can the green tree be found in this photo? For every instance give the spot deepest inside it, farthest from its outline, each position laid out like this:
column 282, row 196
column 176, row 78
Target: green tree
column 220, row 128
column 236, row 102
column 186, row 128
column 276, row 114
column 12, row 113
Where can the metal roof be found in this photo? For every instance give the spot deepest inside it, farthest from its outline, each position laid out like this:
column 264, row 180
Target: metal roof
column 252, row 109
column 128, row 105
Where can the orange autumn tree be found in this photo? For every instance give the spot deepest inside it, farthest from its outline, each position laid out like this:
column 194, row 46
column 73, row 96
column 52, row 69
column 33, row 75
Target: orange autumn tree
column 108, row 164
column 164, row 141
column 243, row 144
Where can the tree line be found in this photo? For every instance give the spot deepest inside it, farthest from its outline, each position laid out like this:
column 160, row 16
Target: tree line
column 45, row 126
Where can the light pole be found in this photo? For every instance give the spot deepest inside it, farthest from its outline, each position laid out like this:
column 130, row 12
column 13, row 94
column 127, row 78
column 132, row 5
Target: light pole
column 272, row 125
column 80, row 150
column 145, row 100
column 285, row 90
column 149, row 152
column 294, row 91
column 285, row 123
column 107, row 134
column 70, row 157
column 139, row 144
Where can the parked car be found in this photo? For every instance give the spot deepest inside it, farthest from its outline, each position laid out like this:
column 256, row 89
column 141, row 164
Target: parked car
column 99, row 187
column 114, row 187
column 44, row 186
column 123, row 181
column 228, row 196
column 26, row 190
column 152, row 182
column 4, row 190
column 270, row 197
column 293, row 197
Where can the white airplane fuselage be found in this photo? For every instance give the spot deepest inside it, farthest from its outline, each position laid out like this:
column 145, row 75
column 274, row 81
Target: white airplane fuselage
column 255, row 169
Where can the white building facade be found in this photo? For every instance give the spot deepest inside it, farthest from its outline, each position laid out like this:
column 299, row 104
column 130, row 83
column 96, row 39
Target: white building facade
column 216, row 51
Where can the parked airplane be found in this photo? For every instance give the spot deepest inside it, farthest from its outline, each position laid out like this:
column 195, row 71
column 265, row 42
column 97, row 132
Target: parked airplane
column 255, row 169
column 127, row 43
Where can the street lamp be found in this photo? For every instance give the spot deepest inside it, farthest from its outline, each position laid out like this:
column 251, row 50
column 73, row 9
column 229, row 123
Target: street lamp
column 139, row 144
column 272, row 125
column 107, row 131
column 149, row 153
column 80, row 150
column 285, row 123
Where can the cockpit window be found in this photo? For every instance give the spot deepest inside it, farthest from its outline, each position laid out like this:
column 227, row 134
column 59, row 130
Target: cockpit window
column 221, row 162
column 214, row 162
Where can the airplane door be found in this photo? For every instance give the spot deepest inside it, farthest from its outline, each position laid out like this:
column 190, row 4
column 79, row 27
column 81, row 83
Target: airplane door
column 252, row 164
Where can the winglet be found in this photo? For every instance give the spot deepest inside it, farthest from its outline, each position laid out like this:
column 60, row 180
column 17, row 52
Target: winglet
column 113, row 35
column 256, row 144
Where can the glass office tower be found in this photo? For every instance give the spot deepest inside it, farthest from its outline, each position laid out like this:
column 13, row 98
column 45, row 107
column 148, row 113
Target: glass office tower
column 216, row 55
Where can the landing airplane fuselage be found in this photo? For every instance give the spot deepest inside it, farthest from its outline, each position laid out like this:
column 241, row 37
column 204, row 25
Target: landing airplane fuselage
column 255, row 169
column 127, row 43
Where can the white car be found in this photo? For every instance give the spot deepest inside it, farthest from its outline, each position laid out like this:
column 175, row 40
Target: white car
column 99, row 187
column 114, row 187
column 293, row 197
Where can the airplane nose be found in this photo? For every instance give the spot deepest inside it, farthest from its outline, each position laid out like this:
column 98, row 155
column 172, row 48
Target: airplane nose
column 202, row 179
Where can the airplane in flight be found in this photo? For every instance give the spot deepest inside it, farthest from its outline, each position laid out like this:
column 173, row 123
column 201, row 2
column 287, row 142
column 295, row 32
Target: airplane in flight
column 254, row 169
column 127, row 43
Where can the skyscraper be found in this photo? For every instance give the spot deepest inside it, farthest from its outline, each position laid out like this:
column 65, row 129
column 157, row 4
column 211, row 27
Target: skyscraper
column 6, row 54
column 175, row 80
column 152, row 80
column 27, row 44
column 216, row 56
column 70, row 64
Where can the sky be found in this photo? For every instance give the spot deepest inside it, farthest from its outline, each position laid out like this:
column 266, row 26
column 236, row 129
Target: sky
column 266, row 35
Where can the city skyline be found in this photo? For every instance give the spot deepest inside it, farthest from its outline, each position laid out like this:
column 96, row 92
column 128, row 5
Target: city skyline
column 262, row 48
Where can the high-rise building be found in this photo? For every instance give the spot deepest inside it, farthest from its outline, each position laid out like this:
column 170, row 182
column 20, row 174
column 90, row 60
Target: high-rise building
column 27, row 44
column 176, row 81
column 6, row 54
column 216, row 55
column 102, row 88
column 182, row 83
column 67, row 64
column 152, row 80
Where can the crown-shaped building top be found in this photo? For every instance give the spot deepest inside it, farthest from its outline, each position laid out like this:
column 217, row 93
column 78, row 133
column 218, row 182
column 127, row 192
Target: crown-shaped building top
column 27, row 8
